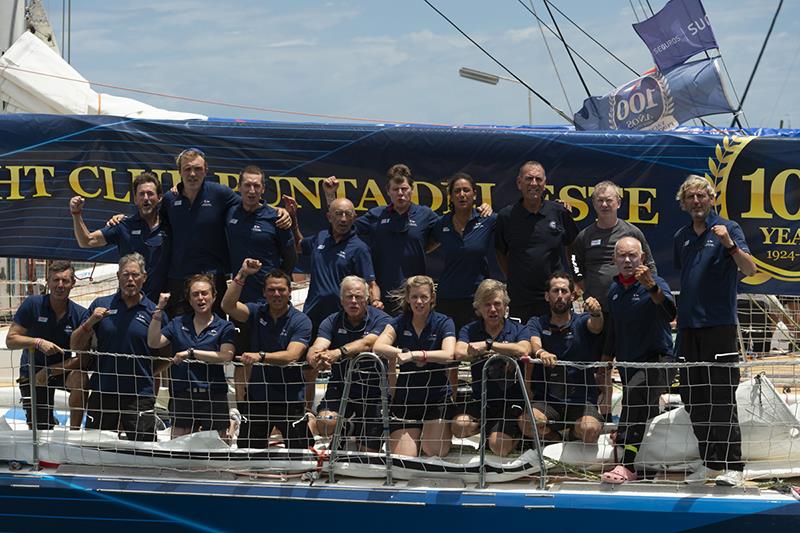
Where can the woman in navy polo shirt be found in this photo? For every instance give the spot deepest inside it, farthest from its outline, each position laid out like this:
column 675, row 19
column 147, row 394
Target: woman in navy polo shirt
column 467, row 239
column 423, row 343
column 198, row 390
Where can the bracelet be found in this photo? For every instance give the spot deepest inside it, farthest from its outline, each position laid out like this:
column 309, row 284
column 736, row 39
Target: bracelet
column 424, row 356
column 71, row 212
column 237, row 281
column 732, row 250
column 157, row 314
column 537, row 352
column 37, row 344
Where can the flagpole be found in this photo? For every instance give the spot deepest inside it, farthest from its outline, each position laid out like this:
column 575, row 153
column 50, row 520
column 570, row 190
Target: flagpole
column 758, row 60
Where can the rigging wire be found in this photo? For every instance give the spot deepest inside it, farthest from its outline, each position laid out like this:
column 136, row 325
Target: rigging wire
column 758, row 59
column 595, row 41
column 789, row 72
column 577, row 70
column 501, row 65
column 543, row 23
column 635, row 14
column 552, row 60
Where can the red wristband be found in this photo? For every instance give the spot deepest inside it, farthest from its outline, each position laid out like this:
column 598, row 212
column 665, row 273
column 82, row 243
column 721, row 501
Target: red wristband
column 237, row 281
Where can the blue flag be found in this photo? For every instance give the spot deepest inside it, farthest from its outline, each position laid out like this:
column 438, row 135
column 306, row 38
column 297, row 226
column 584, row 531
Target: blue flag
column 677, row 32
column 658, row 101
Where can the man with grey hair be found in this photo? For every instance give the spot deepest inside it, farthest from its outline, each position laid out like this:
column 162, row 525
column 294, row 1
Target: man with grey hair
column 342, row 335
column 335, row 253
column 492, row 333
column 594, row 245
column 709, row 252
column 123, row 395
column 641, row 308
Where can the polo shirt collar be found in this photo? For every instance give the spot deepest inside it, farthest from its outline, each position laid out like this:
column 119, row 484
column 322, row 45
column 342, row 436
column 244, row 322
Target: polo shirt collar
column 565, row 327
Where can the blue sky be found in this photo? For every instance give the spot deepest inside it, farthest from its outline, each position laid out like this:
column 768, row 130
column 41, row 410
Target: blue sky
column 398, row 60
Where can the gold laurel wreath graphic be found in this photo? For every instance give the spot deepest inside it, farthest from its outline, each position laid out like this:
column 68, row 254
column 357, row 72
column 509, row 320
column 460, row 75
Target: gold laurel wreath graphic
column 719, row 168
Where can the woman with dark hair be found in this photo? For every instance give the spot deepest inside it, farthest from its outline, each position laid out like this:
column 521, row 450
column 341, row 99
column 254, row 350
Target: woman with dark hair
column 423, row 342
column 467, row 238
column 198, row 391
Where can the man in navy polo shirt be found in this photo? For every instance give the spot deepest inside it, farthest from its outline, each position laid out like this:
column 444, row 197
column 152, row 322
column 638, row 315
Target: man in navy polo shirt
column 641, row 308
column 492, row 333
column 41, row 328
column 397, row 234
column 532, row 239
column 142, row 233
column 196, row 214
column 565, row 395
column 343, row 335
column 336, row 253
column 122, row 386
column 252, row 232
column 709, row 252
column 280, row 336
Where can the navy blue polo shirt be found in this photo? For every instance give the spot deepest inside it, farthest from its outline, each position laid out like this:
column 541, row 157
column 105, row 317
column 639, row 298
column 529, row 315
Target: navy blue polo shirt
column 534, row 244
column 255, row 235
column 337, row 329
column 502, row 383
column 123, row 331
column 641, row 328
column 133, row 234
column 39, row 320
column 708, row 275
column 572, row 342
column 397, row 242
column 414, row 384
column 330, row 262
column 269, row 382
column 198, row 229
column 465, row 264
column 182, row 335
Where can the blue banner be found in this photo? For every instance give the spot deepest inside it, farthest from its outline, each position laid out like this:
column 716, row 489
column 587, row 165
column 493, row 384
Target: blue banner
column 45, row 160
column 680, row 30
column 658, row 101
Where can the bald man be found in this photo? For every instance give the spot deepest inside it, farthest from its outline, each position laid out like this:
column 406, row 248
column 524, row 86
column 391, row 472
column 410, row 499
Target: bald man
column 335, row 253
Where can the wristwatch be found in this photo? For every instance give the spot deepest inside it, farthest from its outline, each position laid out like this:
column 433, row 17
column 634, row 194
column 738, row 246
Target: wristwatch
column 343, row 351
column 261, row 356
column 190, row 353
column 653, row 289
column 489, row 344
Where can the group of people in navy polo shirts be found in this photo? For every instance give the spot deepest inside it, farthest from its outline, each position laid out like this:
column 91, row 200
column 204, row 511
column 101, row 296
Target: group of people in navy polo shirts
column 369, row 292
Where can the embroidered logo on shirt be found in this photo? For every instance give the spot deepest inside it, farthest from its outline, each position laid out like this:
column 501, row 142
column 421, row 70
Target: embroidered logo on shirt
column 686, row 242
column 112, row 311
column 43, row 319
column 136, row 232
column 142, row 318
column 262, row 321
column 408, row 333
column 213, row 332
column 615, row 297
column 341, row 254
column 320, row 247
column 206, row 203
column 596, row 242
column 341, row 330
column 385, row 221
column 184, row 328
column 553, row 225
column 445, row 230
column 412, row 223
column 709, row 243
column 233, row 221
column 546, row 332
column 256, row 229
column 178, row 202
